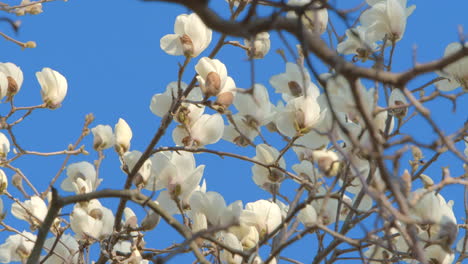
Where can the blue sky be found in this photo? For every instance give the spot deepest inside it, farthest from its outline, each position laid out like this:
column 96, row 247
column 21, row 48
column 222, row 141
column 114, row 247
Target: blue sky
column 109, row 52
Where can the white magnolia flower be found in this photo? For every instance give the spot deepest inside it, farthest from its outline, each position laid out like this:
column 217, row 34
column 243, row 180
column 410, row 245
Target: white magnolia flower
column 432, row 207
column 103, row 137
column 214, row 81
column 327, row 161
column 264, row 215
column 386, row 17
column 397, row 98
column 307, row 216
column 17, row 247
column 190, row 39
column 359, row 41
column 314, row 19
column 28, row 9
column 187, row 113
column 267, row 177
column 65, row 251
column 208, row 129
column 132, row 254
column 256, row 108
column 233, row 242
column 177, row 173
column 93, row 222
column 54, row 87
column 123, row 135
column 4, row 145
column 300, row 115
column 33, row 211
column 144, row 173
column 11, row 79
column 306, row 171
column 293, row 82
column 456, row 74
column 81, row 178
column 327, row 208
column 231, row 132
column 260, row 46
column 3, row 183
column 211, row 204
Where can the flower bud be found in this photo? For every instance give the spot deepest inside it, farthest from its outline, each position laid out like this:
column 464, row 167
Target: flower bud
column 3, row 182
column 397, row 98
column 30, row 45
column 150, row 221
column 54, row 87
column 327, row 161
column 123, row 135
column 4, row 145
column 103, row 137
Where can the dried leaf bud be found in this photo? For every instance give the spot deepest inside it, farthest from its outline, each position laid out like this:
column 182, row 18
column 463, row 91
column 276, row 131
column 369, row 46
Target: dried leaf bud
column 295, row 89
column 30, row 45
column 187, row 45
column 17, row 181
column 212, row 84
column 417, row 153
column 407, row 182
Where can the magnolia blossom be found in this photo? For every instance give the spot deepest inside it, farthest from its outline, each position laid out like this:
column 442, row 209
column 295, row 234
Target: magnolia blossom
column 3, row 182
column 267, row 178
column 260, row 45
column 247, row 132
column 327, row 161
column 432, row 207
column 359, row 41
column 187, row 113
column 54, row 87
column 306, row 171
column 4, row 145
column 327, row 208
column 264, row 215
column 177, row 173
column 190, row 39
column 81, row 178
column 456, row 73
column 300, row 115
column 133, row 257
column 144, row 173
column 17, row 247
column 65, row 251
column 255, row 108
column 307, row 216
column 123, row 135
column 314, row 18
column 214, row 81
column 11, row 79
column 233, row 242
column 386, row 18
column 33, row 211
column 213, row 206
column 397, row 98
column 208, row 129
column 92, row 222
column 103, row 137
column 292, row 83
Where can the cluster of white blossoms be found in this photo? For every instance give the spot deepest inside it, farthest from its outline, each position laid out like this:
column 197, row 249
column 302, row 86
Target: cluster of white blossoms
column 327, row 124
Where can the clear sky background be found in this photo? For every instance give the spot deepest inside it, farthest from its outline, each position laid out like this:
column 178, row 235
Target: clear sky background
column 109, row 52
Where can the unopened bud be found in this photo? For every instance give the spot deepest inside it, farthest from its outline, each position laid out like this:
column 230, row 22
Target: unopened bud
column 187, row 45
column 17, row 181
column 427, row 181
column 30, row 45
column 150, row 221
column 406, row 183
column 212, row 84
column 3, row 182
